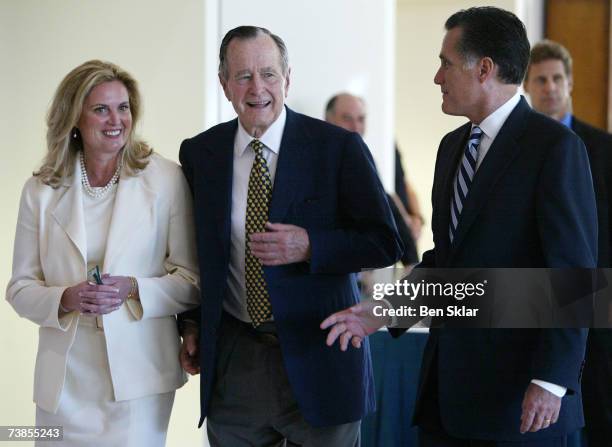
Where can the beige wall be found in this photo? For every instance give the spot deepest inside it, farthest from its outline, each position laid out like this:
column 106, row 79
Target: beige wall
column 162, row 45
column 420, row 123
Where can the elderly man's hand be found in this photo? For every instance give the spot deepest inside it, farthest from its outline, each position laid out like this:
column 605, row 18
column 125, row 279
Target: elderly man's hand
column 353, row 324
column 281, row 244
column 540, row 409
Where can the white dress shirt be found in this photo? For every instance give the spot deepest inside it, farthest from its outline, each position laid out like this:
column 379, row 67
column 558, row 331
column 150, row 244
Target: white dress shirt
column 98, row 213
column 235, row 301
column 492, row 124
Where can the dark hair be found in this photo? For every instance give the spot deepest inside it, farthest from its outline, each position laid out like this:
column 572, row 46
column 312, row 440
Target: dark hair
column 329, row 107
column 247, row 32
column 495, row 33
column 547, row 50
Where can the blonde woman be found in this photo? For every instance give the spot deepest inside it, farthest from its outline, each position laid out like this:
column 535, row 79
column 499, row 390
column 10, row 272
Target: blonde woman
column 102, row 201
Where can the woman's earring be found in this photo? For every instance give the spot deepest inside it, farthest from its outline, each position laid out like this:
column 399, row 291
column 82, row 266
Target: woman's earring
column 75, row 133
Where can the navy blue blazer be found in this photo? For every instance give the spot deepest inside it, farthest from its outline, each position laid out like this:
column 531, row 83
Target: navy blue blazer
column 531, row 204
column 596, row 386
column 599, row 149
column 326, row 183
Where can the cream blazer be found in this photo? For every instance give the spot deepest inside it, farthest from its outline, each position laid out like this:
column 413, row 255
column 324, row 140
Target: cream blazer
column 151, row 237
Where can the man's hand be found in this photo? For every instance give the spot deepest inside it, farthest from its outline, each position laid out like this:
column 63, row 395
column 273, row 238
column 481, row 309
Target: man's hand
column 540, row 409
column 353, row 324
column 281, row 244
column 188, row 356
column 415, row 223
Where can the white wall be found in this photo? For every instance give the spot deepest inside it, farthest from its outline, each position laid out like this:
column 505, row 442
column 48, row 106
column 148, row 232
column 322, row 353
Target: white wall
column 532, row 13
column 162, row 45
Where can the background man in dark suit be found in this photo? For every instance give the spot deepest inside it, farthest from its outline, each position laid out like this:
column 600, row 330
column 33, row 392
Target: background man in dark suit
column 349, row 112
column 549, row 84
column 287, row 208
column 512, row 188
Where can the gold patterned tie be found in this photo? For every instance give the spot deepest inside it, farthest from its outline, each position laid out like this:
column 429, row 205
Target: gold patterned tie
column 258, row 199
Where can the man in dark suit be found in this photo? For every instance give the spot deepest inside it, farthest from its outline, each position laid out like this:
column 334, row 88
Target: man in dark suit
column 349, row 112
column 549, row 83
column 512, row 188
column 287, row 208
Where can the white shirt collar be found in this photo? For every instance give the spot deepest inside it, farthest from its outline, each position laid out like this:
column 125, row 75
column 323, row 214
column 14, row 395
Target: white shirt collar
column 493, row 123
column 271, row 138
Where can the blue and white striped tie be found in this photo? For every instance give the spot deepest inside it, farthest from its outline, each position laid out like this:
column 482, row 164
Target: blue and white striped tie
column 465, row 174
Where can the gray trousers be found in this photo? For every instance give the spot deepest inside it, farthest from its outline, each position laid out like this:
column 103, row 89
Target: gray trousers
column 252, row 403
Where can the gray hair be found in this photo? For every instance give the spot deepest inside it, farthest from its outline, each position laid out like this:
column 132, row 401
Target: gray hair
column 247, row 32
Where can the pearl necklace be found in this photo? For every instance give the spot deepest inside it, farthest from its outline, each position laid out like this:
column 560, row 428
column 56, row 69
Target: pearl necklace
column 97, row 192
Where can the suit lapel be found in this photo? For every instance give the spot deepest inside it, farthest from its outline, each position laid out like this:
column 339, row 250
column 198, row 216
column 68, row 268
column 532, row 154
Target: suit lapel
column 216, row 164
column 504, row 149
column 69, row 212
column 133, row 207
column 293, row 147
column 444, row 192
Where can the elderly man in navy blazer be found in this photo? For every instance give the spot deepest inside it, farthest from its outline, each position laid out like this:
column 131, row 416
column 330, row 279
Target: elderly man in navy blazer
column 512, row 188
column 287, row 209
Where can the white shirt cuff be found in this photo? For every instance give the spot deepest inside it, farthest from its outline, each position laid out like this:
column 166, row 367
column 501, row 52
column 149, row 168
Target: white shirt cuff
column 557, row 390
column 392, row 322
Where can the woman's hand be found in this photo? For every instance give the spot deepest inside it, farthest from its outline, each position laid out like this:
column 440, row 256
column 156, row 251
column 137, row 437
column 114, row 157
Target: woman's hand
column 123, row 284
column 91, row 299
